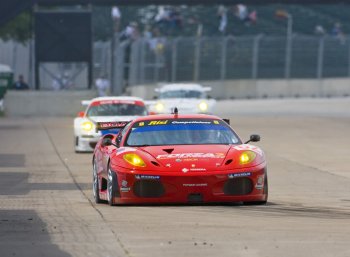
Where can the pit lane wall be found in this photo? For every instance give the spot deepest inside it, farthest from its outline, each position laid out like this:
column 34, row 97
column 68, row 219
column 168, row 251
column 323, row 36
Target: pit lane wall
column 269, row 88
column 45, row 103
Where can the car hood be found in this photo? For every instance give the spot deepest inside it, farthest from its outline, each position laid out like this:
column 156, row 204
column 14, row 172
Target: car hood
column 111, row 118
column 189, row 157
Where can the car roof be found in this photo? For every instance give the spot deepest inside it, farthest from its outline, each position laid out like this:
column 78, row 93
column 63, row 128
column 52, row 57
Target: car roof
column 122, row 98
column 173, row 116
column 181, row 86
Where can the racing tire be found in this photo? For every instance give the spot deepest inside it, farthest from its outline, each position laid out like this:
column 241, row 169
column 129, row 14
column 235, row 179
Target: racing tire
column 95, row 184
column 112, row 186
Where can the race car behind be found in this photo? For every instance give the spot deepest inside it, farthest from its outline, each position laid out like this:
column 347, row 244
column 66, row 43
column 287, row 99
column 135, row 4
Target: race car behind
column 104, row 109
column 187, row 97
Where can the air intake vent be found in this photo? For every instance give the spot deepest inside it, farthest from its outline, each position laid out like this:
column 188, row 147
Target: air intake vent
column 169, row 150
column 238, row 186
column 228, row 162
column 195, row 198
column 93, row 144
column 155, row 163
column 148, row 188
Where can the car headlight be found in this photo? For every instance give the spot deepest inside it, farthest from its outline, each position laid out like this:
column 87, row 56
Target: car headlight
column 134, row 160
column 247, row 157
column 159, row 107
column 87, row 126
column 203, row 106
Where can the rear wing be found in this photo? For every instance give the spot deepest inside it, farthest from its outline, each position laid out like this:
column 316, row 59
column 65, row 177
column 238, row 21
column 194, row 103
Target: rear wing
column 111, row 125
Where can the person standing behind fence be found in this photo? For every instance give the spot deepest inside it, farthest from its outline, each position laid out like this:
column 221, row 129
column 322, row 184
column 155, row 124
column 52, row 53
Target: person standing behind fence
column 20, row 84
column 102, row 85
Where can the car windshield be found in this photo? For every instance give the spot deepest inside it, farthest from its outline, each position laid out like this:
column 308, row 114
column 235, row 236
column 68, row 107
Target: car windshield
column 117, row 109
column 181, row 132
column 182, row 94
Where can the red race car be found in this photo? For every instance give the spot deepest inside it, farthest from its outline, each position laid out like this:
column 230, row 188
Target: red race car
column 177, row 159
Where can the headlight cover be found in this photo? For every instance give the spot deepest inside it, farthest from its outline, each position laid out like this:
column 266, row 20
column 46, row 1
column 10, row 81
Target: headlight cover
column 247, row 157
column 203, row 106
column 134, row 160
column 159, row 107
column 87, row 126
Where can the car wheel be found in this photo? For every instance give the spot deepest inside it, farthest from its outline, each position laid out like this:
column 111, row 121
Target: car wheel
column 112, row 186
column 95, row 184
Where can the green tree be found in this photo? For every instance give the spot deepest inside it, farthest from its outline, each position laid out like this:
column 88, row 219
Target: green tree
column 18, row 29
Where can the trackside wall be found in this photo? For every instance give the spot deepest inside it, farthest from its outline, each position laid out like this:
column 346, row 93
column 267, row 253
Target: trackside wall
column 269, row 88
column 45, row 103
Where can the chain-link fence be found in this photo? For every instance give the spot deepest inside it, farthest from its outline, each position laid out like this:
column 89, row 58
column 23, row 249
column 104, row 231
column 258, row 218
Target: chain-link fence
column 204, row 59
column 225, row 58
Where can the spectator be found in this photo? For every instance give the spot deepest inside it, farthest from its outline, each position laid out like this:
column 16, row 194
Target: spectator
column 338, row 33
column 222, row 13
column 241, row 12
column 163, row 15
column 157, row 43
column 20, row 84
column 252, row 17
column 319, row 30
column 102, row 85
column 130, row 32
column 116, row 15
column 175, row 18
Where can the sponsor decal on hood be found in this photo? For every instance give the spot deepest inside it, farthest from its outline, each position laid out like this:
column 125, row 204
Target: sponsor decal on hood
column 191, row 155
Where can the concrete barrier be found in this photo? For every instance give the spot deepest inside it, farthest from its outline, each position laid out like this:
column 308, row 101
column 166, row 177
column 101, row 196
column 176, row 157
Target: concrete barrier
column 68, row 103
column 263, row 88
column 45, row 103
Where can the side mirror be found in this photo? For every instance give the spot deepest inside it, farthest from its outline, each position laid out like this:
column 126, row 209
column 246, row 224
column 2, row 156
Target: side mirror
column 253, row 138
column 117, row 142
column 227, row 121
column 81, row 114
column 107, row 142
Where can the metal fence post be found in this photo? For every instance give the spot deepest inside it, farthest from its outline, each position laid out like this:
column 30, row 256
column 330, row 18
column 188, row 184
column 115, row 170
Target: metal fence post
column 320, row 58
column 196, row 61
column 348, row 57
column 289, row 46
column 223, row 58
column 174, row 59
column 255, row 58
column 141, row 61
column 133, row 63
column 156, row 66
column 120, row 66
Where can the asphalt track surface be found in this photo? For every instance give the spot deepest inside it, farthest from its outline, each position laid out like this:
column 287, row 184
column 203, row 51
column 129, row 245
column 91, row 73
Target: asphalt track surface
column 46, row 205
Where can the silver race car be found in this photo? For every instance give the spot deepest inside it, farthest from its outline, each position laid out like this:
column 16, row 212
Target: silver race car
column 188, row 98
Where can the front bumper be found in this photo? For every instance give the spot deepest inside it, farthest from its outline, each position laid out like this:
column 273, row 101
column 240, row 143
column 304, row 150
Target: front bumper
column 242, row 185
column 86, row 143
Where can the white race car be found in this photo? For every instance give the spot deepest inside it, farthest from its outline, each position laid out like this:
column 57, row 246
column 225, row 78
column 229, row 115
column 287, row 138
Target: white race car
column 104, row 109
column 188, row 98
